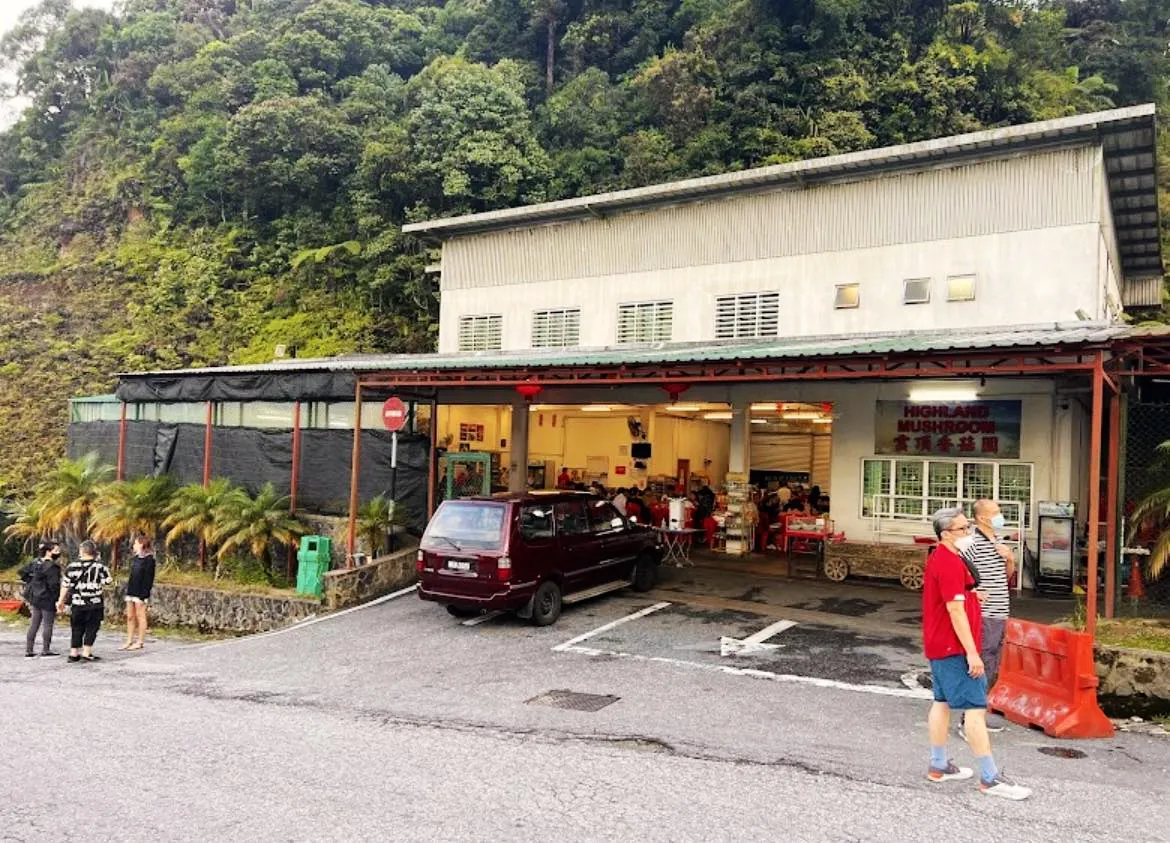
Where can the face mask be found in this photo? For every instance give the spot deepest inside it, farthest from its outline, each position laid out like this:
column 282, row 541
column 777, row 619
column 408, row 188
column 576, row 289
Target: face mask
column 964, row 544
column 998, row 522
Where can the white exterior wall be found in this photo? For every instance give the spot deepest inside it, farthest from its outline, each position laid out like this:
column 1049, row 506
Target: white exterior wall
column 1034, row 230
column 1020, row 278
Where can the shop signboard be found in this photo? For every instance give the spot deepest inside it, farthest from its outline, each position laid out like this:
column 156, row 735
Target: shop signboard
column 948, row 429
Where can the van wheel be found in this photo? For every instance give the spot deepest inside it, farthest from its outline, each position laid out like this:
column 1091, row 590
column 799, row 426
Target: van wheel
column 546, row 604
column 461, row 612
column 645, row 574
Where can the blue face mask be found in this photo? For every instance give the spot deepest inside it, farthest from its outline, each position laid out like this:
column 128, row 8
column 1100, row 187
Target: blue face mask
column 998, row 522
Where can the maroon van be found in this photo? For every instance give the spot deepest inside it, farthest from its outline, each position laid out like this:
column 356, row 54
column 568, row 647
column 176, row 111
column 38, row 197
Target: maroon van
column 531, row 553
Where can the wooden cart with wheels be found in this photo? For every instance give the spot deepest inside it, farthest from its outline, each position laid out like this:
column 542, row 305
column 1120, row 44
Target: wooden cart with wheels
column 905, row 563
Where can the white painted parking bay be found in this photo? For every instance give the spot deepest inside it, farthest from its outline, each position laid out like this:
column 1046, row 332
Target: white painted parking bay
column 744, row 644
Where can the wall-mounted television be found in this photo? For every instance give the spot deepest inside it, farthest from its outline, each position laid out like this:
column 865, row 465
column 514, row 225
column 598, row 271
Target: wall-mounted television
column 640, row 450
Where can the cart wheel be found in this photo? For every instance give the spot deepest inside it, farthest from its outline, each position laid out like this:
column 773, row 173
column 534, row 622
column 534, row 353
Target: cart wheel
column 836, row 569
column 911, row 577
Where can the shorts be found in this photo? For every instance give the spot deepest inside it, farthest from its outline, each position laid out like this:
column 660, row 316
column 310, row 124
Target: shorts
column 955, row 687
column 130, row 599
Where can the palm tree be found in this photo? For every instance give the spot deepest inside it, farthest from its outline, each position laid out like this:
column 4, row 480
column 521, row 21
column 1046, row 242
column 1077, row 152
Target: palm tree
column 1152, row 513
column 69, row 493
column 197, row 510
column 131, row 507
column 376, row 518
column 26, row 523
column 257, row 523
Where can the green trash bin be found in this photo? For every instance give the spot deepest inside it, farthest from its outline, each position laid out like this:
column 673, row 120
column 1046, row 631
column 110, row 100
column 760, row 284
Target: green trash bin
column 313, row 559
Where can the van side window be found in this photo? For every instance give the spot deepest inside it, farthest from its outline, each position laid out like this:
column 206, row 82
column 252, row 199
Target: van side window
column 571, row 518
column 604, row 517
column 536, row 522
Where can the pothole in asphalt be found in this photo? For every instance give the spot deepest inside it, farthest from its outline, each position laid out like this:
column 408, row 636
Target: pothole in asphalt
column 573, row 700
column 1062, row 752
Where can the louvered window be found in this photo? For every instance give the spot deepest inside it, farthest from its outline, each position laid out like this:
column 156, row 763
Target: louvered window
column 916, row 291
column 649, row 321
column 751, row 315
column 480, row 333
column 556, row 328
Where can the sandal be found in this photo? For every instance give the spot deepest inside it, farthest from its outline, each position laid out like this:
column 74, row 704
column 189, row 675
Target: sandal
column 125, row 646
column 91, row 658
column 134, row 647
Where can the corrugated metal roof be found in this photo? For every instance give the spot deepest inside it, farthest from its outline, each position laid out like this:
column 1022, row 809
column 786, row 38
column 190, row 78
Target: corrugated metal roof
column 1143, row 292
column 1048, row 335
column 1127, row 136
column 109, row 398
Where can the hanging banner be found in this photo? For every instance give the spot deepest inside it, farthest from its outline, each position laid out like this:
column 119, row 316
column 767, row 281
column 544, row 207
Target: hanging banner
column 981, row 429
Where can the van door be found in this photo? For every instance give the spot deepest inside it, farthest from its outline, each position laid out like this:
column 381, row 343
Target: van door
column 610, row 531
column 577, row 545
column 535, row 551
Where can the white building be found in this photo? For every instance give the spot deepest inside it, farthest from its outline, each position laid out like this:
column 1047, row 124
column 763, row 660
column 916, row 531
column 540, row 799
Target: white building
column 1009, row 239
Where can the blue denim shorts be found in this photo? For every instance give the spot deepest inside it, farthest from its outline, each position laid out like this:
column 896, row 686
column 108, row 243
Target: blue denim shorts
column 955, row 687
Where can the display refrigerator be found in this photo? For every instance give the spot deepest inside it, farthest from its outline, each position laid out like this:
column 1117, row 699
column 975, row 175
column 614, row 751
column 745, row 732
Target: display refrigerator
column 1056, row 547
column 542, row 475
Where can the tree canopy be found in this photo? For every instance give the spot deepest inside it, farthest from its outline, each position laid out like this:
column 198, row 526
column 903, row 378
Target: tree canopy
column 196, row 181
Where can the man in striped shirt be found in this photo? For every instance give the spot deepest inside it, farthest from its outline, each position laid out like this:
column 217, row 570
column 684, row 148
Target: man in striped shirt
column 994, row 564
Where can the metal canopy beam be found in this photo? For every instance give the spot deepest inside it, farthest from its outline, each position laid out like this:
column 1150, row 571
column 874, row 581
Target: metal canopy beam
column 999, row 363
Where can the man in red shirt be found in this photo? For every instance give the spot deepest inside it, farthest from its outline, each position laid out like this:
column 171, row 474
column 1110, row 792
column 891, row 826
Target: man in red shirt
column 951, row 628
column 564, row 479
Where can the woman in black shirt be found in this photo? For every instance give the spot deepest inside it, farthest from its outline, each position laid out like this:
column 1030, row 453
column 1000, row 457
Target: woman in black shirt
column 42, row 579
column 138, row 593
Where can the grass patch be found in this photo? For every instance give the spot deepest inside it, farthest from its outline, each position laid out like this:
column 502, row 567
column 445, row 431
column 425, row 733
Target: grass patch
column 1135, row 634
column 246, row 581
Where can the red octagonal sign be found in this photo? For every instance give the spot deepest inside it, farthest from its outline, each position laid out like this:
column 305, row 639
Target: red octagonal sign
column 394, row 414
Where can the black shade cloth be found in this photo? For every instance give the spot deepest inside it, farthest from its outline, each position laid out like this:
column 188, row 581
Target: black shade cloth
column 251, row 457
column 261, row 386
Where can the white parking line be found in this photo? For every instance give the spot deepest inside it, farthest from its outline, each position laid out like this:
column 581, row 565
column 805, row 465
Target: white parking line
column 880, row 690
column 561, row 648
column 315, row 619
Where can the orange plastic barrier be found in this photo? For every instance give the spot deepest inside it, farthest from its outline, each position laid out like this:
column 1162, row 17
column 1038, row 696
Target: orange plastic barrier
column 1047, row 678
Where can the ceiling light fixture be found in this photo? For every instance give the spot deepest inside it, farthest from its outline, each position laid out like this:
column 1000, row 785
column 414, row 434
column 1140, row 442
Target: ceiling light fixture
column 945, row 394
column 717, row 416
column 596, row 408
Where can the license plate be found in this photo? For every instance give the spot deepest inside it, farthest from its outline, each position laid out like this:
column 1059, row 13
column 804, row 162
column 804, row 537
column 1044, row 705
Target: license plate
column 458, row 565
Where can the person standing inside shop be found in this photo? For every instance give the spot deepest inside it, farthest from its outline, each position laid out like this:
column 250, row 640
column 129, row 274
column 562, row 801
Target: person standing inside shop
column 951, row 632
column 42, row 579
column 995, row 564
column 564, row 479
column 82, row 585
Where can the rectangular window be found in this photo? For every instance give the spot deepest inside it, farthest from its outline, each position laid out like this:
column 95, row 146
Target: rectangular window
column 916, row 291
column 848, row 296
column 914, row 489
column 481, row 333
column 750, row 315
column 556, row 328
column 186, row 413
column 268, row 414
column 961, row 288
column 650, row 321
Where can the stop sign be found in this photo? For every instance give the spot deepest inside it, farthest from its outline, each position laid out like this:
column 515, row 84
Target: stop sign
column 394, row 414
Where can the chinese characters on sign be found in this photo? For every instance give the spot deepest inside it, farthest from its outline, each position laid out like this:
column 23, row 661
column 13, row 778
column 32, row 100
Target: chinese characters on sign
column 978, row 429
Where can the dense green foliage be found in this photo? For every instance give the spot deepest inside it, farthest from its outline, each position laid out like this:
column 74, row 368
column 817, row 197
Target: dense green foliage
column 197, row 181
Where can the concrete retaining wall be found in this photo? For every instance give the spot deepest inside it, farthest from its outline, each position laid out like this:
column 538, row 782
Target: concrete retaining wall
column 351, row 586
column 207, row 609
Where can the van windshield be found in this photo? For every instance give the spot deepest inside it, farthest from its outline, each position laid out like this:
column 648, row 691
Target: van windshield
column 461, row 524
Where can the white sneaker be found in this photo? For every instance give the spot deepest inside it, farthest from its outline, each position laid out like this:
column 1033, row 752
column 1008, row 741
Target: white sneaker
column 950, row 773
column 1005, row 789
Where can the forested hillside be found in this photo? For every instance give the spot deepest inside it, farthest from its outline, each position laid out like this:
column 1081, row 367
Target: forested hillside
column 197, row 181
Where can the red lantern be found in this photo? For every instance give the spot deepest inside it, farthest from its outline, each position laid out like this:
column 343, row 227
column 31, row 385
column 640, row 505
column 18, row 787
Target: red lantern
column 674, row 390
column 529, row 390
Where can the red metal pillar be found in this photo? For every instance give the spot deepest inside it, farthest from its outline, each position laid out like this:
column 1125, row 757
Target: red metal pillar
column 294, row 477
column 122, row 445
column 433, row 466
column 207, row 446
column 1111, row 483
column 354, row 474
column 1094, row 494
column 120, row 472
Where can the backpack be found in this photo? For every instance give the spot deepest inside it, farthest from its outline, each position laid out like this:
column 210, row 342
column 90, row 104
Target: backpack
column 37, row 587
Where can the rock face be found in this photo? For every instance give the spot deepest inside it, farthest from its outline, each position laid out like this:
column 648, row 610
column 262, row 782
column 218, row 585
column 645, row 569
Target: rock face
column 351, row 586
column 1133, row 681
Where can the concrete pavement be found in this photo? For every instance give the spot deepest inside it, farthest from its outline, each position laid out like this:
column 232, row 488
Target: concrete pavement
column 398, row 721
